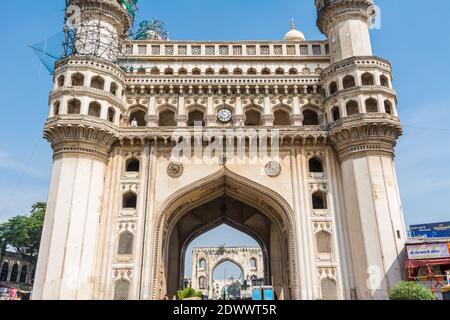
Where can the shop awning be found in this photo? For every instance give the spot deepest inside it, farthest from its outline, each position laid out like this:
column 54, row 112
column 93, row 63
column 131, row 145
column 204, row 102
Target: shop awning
column 423, row 263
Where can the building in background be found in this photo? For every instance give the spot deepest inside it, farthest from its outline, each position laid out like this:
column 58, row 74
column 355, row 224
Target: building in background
column 16, row 274
column 323, row 201
column 431, row 230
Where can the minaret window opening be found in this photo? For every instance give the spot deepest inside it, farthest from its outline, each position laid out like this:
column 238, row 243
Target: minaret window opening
column 348, row 82
column 293, row 71
column 384, row 81
column 94, row 109
column 111, row 114
column 74, row 106
column 333, row 88
column 336, row 114
column 388, row 107
column 367, row 79
column 56, row 108
column 137, row 118
column 352, row 108
column 371, row 105
column 98, row 82
column 77, row 80
column 61, row 81
column 113, row 88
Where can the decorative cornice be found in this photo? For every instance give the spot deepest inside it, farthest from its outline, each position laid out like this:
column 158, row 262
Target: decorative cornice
column 365, row 134
column 90, row 62
column 80, row 135
column 359, row 90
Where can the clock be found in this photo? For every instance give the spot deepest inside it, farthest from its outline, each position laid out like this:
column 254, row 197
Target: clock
column 225, row 115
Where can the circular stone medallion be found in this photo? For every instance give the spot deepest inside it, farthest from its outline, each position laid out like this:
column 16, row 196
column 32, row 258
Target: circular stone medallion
column 273, row 169
column 175, row 170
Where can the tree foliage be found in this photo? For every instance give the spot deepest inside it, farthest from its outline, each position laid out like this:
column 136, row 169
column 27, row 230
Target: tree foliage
column 410, row 291
column 22, row 234
column 189, row 293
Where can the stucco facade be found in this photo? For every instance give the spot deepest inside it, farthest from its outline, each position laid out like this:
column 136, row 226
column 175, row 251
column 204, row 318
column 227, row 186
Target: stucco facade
column 323, row 201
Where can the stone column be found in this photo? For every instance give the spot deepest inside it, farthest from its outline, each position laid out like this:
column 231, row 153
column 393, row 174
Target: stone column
column 372, row 201
column 66, row 264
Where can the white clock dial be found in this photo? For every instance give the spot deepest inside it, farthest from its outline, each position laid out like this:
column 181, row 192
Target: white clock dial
column 225, row 115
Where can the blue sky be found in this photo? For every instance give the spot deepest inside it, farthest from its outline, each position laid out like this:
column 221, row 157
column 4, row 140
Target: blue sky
column 413, row 36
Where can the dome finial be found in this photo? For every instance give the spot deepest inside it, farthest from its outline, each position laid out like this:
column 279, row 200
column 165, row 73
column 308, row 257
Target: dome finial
column 294, row 34
column 292, row 24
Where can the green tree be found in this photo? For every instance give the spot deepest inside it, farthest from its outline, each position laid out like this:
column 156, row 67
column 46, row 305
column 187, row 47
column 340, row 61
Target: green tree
column 221, row 250
column 410, row 291
column 22, row 234
column 189, row 293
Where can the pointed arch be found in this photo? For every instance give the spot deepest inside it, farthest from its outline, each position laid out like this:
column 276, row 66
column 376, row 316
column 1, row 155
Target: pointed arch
column 225, row 182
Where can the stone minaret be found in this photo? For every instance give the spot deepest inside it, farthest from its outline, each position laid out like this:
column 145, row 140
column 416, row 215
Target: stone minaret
column 361, row 105
column 85, row 106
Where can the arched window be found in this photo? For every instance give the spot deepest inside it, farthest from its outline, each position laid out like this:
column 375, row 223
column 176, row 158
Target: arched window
column 253, row 264
column 237, row 71
column 323, row 241
column 155, row 71
column 111, row 114
column 336, row 113
column 252, row 118
column 367, row 79
column 281, row 118
column 77, row 80
column 352, row 108
column 56, row 108
column 196, row 118
column 223, row 71
column 126, row 241
column 95, row 109
column 167, row 119
column 122, row 290
column 4, row 272
column 132, row 165
column 202, row 264
column 315, row 165
column 202, row 283
column 196, row 71
column 293, row 71
column 113, row 88
column 265, row 71
column 310, row 118
column 209, row 71
column 129, row 200
column 74, row 106
column 252, row 71
column 139, row 117
column 23, row 274
column 182, row 71
column 98, row 82
column 328, row 289
column 384, row 81
column 61, row 81
column 388, row 107
column 333, row 88
column 348, row 82
column 279, row 71
column 371, row 105
column 168, row 71
column 14, row 273
column 319, row 200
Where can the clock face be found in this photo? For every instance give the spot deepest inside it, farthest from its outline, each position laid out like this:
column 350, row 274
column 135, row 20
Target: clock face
column 225, row 115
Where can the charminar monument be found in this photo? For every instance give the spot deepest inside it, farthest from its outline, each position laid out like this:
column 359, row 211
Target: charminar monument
column 156, row 142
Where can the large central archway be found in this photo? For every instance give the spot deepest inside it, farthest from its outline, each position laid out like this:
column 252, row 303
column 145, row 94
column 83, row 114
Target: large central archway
column 228, row 198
